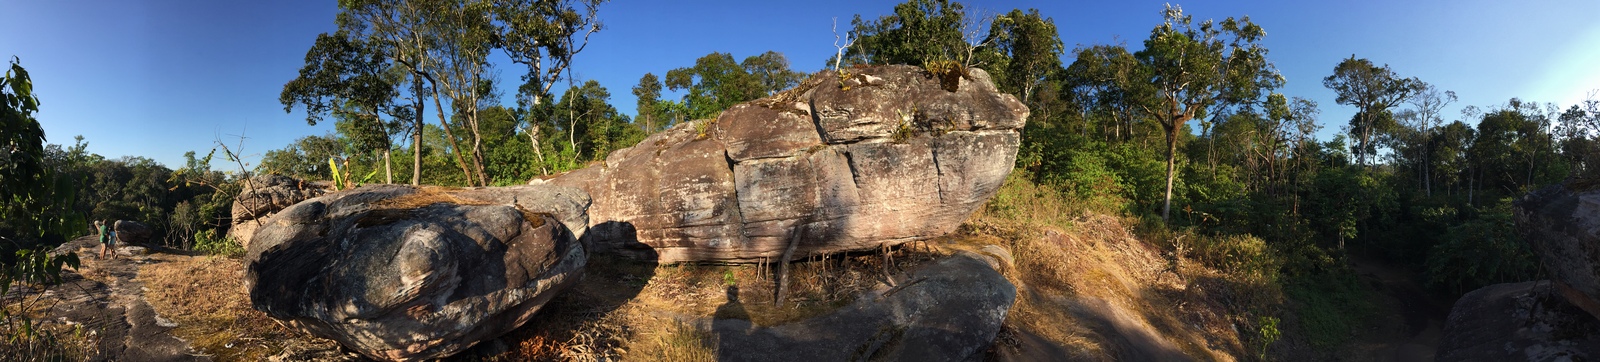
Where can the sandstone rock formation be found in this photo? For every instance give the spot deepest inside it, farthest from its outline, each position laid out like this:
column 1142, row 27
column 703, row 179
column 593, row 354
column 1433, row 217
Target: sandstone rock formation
column 949, row 310
column 883, row 157
column 1562, row 224
column 264, row 195
column 406, row 273
column 1518, row 322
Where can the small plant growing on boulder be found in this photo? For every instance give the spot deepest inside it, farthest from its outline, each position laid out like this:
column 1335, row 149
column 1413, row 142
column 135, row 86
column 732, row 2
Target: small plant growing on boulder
column 948, row 72
column 702, row 128
column 903, row 131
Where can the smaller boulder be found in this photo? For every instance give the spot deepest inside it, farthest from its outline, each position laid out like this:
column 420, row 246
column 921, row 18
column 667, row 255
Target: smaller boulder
column 265, row 195
column 949, row 310
column 132, row 232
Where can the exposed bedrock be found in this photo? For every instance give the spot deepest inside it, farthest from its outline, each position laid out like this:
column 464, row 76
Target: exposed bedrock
column 883, row 157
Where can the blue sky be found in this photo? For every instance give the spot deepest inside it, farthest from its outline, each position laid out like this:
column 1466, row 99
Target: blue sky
column 158, row 78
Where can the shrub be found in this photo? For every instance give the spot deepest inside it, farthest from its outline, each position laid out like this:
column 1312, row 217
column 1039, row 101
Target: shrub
column 1242, row 255
column 207, row 241
column 1479, row 252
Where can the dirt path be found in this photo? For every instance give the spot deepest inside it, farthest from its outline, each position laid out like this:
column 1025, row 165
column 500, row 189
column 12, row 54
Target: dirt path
column 1410, row 322
column 107, row 298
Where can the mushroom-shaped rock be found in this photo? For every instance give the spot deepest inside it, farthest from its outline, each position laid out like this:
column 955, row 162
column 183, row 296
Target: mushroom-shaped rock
column 885, row 156
column 404, row 273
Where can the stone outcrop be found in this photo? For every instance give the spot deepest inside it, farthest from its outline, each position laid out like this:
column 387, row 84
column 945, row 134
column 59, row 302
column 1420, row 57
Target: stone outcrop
column 406, row 273
column 1518, row 322
column 132, row 232
column 264, row 195
column 949, row 310
column 1562, row 225
column 883, row 157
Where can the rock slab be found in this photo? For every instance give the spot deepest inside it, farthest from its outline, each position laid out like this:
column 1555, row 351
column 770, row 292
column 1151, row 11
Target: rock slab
column 404, row 273
column 1525, row 321
column 949, row 310
column 1562, row 225
column 884, row 157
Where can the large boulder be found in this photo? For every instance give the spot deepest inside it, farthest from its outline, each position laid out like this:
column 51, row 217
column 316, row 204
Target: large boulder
column 1562, row 224
column 405, row 273
column 1524, row 321
column 132, row 232
column 948, row 310
column 885, row 156
column 263, row 196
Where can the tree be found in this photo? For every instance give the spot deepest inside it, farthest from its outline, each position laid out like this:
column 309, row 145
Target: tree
column 543, row 35
column 306, row 158
column 32, row 210
column 771, row 73
column 716, row 82
column 1186, row 68
column 919, row 31
column 1373, row 90
column 398, row 30
column 462, row 35
column 1033, row 51
column 648, row 93
column 23, row 176
column 1429, row 103
column 350, row 79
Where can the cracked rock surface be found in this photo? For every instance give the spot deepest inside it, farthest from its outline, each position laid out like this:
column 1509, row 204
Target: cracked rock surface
column 882, row 157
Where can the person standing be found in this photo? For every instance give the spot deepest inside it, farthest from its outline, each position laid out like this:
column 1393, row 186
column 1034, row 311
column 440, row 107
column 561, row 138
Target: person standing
column 106, row 239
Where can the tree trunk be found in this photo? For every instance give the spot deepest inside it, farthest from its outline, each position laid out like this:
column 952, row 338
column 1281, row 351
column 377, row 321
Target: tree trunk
column 416, row 134
column 455, row 148
column 388, row 172
column 477, row 148
column 1172, row 164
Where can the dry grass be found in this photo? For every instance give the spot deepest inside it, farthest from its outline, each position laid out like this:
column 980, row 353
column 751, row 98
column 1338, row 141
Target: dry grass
column 1066, row 253
column 426, row 195
column 205, row 296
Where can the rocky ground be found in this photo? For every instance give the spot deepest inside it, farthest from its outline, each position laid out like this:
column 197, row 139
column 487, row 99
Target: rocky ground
column 126, row 312
column 106, row 297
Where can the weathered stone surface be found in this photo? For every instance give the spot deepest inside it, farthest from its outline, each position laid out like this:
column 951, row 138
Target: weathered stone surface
column 890, row 157
column 264, row 195
column 1563, row 227
column 1518, row 322
column 949, row 310
column 405, row 273
column 132, row 232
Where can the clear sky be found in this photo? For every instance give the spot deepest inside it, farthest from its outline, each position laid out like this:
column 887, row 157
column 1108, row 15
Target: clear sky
column 158, row 78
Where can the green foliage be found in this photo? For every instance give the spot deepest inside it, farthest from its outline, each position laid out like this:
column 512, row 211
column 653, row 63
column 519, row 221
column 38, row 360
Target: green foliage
column 917, row 31
column 214, row 243
column 1482, row 251
column 1266, row 333
column 35, row 204
column 1243, row 255
column 1373, row 90
column 1031, row 48
column 1332, row 306
column 716, row 82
